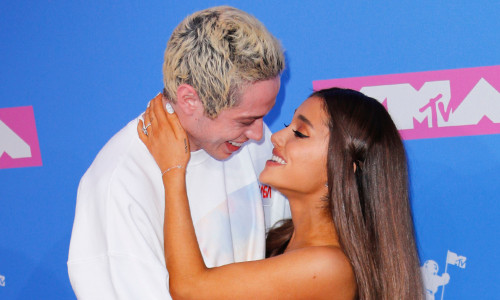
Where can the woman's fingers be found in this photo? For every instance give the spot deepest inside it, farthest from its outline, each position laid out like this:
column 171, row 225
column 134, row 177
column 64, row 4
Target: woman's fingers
column 179, row 132
column 173, row 119
column 156, row 117
column 157, row 109
column 147, row 121
column 140, row 131
column 163, row 135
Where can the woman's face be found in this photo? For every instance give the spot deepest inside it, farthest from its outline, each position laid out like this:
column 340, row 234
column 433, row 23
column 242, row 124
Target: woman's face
column 298, row 164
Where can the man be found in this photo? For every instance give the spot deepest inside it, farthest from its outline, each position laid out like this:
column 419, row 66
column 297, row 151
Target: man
column 221, row 75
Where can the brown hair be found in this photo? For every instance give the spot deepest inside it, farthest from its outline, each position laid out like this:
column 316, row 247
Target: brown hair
column 369, row 204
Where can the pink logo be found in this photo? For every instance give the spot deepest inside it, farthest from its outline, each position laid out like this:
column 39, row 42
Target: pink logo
column 18, row 138
column 434, row 104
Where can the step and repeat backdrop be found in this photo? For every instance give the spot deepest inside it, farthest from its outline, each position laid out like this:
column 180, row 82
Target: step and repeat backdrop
column 73, row 73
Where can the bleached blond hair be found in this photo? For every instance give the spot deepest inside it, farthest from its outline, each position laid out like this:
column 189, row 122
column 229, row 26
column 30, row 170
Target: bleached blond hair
column 218, row 51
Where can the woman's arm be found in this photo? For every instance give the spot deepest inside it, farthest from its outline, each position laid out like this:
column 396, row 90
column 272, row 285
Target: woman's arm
column 309, row 273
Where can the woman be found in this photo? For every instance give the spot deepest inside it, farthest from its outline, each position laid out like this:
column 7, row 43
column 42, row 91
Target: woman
column 342, row 166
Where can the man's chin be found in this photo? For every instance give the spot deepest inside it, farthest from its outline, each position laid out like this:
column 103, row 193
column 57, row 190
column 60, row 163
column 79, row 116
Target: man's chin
column 223, row 151
column 220, row 155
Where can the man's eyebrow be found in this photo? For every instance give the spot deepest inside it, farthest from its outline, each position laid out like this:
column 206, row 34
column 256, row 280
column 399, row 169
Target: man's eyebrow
column 250, row 118
column 305, row 120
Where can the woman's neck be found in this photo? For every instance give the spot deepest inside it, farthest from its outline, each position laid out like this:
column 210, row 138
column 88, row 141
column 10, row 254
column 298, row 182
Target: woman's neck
column 313, row 225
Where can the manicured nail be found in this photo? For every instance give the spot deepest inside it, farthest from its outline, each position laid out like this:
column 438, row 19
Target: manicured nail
column 169, row 107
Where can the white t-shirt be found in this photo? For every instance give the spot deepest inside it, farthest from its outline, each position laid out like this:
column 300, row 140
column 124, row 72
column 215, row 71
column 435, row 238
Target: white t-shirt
column 116, row 249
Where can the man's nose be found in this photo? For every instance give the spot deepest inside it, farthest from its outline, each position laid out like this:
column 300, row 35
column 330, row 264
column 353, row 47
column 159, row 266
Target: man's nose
column 255, row 131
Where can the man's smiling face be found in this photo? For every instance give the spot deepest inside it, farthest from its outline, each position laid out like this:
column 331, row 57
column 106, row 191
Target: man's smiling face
column 224, row 135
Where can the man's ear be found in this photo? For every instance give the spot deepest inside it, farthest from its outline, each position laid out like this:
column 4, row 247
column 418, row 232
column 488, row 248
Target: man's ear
column 188, row 100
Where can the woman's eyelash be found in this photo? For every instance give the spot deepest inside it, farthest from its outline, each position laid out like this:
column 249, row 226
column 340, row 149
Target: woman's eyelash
column 297, row 133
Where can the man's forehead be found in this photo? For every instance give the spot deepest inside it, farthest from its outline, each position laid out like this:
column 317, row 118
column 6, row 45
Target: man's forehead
column 239, row 113
column 255, row 100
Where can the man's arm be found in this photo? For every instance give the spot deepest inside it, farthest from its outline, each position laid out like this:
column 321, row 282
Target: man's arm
column 116, row 249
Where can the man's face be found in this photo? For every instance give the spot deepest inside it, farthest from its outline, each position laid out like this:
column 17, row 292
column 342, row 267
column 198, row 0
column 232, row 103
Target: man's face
column 224, row 135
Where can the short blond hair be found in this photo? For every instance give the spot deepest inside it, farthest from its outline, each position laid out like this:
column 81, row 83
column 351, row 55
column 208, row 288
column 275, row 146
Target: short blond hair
column 217, row 51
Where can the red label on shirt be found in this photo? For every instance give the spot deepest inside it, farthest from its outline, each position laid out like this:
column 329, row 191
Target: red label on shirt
column 265, row 191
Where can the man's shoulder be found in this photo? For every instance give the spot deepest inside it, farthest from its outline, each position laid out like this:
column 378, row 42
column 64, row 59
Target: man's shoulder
column 117, row 148
column 122, row 161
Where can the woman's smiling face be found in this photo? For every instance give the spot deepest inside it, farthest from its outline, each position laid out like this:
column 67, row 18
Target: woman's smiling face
column 298, row 165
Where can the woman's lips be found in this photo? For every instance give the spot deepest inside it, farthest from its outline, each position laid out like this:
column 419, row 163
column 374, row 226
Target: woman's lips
column 277, row 158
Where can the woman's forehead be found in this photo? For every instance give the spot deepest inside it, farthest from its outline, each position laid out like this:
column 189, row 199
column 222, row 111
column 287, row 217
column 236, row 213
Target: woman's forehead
column 313, row 110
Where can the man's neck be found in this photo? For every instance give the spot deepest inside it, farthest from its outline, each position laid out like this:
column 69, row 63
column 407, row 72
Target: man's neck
column 192, row 145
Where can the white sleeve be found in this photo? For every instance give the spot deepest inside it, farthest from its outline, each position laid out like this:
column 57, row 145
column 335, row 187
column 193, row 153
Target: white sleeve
column 117, row 276
column 116, row 249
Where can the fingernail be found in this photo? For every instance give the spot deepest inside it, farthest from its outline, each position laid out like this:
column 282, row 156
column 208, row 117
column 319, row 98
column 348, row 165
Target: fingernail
column 169, row 107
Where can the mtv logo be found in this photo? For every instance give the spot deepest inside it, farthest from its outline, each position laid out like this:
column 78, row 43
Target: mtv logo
column 18, row 138
column 461, row 263
column 434, row 104
column 407, row 104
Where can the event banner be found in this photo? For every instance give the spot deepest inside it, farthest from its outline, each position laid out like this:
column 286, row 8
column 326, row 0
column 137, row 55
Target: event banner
column 447, row 103
column 18, row 138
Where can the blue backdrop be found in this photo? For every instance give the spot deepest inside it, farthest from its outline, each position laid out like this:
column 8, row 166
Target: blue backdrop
column 88, row 67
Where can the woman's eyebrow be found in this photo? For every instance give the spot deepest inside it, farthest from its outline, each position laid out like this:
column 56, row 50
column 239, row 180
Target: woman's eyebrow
column 305, row 120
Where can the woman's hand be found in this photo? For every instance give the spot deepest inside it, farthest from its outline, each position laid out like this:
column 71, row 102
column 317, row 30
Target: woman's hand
column 164, row 136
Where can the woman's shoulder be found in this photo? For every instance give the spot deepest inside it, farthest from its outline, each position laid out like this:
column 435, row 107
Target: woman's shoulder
column 328, row 266
column 329, row 259
column 320, row 272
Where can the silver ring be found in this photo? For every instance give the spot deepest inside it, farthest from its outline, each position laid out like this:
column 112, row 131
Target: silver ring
column 145, row 129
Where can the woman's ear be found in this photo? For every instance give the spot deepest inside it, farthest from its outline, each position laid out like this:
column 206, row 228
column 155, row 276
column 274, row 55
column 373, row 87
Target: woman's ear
column 188, row 100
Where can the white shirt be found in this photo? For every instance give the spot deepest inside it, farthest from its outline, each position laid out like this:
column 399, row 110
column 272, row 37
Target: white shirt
column 116, row 249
